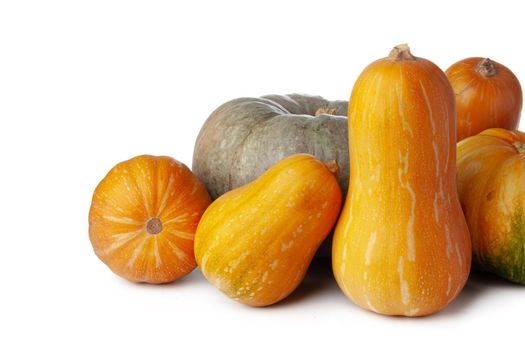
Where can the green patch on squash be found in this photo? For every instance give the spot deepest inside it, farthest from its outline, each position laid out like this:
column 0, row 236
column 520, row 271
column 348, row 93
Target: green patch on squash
column 510, row 262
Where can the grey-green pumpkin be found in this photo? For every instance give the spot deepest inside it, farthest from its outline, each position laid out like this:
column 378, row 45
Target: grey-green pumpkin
column 244, row 137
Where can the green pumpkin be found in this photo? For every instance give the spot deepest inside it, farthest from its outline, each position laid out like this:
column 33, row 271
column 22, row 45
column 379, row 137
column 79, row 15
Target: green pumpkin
column 244, row 137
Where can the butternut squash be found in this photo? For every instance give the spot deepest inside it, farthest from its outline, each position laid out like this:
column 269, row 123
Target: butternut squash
column 256, row 242
column 401, row 245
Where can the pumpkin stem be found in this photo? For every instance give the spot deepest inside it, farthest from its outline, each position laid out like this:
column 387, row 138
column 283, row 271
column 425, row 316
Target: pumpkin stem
column 154, row 226
column 333, row 167
column 520, row 146
column 401, row 52
column 486, row 68
column 325, row 110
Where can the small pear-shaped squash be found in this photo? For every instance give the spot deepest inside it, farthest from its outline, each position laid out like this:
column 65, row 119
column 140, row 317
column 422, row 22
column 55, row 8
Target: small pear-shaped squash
column 401, row 246
column 256, row 242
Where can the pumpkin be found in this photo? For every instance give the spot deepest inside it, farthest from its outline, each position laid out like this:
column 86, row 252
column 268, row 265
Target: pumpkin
column 488, row 95
column 491, row 186
column 244, row 137
column 256, row 242
column 143, row 219
column 401, row 245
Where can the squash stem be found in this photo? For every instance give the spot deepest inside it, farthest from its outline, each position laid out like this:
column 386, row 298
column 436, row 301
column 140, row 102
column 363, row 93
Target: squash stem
column 333, row 167
column 520, row 146
column 486, row 68
column 325, row 110
column 401, row 53
column 154, row 226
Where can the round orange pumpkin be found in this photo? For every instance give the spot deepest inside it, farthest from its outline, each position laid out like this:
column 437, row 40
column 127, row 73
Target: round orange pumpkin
column 488, row 95
column 491, row 186
column 143, row 219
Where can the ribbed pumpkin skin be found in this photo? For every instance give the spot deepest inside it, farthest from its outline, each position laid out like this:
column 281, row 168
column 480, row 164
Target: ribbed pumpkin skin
column 256, row 242
column 491, row 186
column 401, row 245
column 485, row 102
column 244, row 137
column 132, row 194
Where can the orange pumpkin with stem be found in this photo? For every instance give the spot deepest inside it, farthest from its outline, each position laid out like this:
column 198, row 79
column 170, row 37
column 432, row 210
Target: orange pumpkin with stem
column 401, row 246
column 143, row 218
column 488, row 95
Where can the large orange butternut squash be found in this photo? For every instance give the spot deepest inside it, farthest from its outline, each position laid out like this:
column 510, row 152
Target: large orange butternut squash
column 401, row 246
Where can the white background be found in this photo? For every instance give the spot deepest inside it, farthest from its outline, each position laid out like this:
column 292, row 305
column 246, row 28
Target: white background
column 86, row 84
